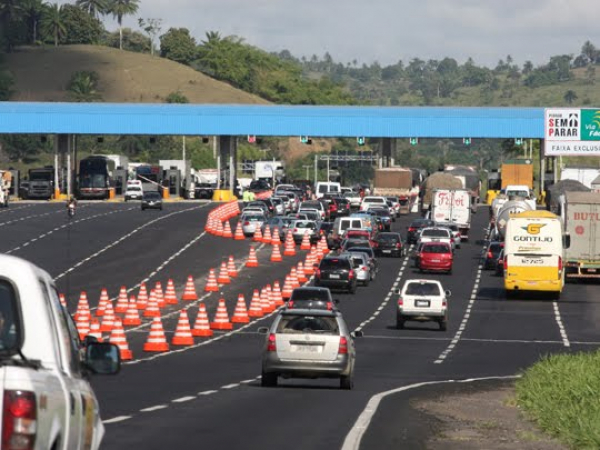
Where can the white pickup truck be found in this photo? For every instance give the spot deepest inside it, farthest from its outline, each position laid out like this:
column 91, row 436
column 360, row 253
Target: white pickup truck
column 47, row 401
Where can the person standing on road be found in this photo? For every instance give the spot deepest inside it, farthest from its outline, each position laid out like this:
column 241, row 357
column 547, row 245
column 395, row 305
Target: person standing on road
column 246, row 197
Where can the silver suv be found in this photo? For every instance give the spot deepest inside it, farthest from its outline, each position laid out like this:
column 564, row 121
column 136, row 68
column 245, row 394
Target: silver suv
column 308, row 343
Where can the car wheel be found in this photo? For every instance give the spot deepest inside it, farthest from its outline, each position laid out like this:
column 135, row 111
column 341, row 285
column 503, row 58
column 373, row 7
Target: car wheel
column 366, row 283
column 352, row 289
column 347, row 382
column 268, row 379
column 160, row 208
column 400, row 323
column 443, row 325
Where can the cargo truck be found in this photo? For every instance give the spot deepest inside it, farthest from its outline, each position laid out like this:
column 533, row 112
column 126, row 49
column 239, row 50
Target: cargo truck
column 580, row 212
column 453, row 206
column 5, row 184
column 512, row 172
column 396, row 182
column 584, row 175
column 437, row 180
column 41, row 183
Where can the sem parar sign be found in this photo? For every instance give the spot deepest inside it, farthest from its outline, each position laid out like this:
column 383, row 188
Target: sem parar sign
column 572, row 132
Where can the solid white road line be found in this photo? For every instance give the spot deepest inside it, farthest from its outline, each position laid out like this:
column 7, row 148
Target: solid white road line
column 354, row 436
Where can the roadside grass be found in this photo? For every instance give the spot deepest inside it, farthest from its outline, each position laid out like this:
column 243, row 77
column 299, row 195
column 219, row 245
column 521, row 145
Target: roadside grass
column 561, row 393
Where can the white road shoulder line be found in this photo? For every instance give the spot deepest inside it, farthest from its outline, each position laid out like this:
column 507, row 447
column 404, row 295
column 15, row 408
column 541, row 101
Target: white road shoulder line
column 116, row 419
column 183, row 399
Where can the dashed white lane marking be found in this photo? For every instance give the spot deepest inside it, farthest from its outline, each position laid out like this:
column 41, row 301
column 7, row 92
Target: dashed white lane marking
column 208, row 392
column 561, row 327
column 109, row 246
column 230, row 386
column 33, row 216
column 151, row 408
column 354, row 436
column 184, row 399
column 387, row 297
column 116, row 419
column 48, row 233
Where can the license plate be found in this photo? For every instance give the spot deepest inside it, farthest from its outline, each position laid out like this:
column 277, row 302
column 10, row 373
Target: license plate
column 435, row 260
column 387, row 251
column 334, row 276
column 422, row 303
column 591, row 270
column 307, row 348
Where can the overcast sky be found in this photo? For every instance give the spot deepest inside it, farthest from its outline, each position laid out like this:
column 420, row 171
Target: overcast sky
column 390, row 30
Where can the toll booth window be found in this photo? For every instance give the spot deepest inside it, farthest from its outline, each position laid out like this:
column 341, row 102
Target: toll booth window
column 9, row 328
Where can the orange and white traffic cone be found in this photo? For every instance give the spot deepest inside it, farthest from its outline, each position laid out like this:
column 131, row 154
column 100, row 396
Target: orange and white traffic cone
column 276, row 254
column 122, row 303
column 308, row 265
column 83, row 307
column 240, row 314
column 211, row 284
column 305, row 245
column 324, row 246
column 239, row 233
column 300, row 273
column 290, row 246
column 267, row 236
column 117, row 337
column 255, row 305
column 294, row 278
column 257, row 235
column 252, row 259
column 142, row 299
column 265, row 301
column 189, row 293
column 286, row 292
column 63, row 300
column 170, row 294
column 95, row 330
column 231, row 268
column 183, row 332
column 227, row 230
column 223, row 274
column 83, row 325
column 132, row 316
column 221, row 321
column 219, row 228
column 152, row 309
column 201, row 325
column 160, row 296
column 108, row 320
column 102, row 303
column 276, row 297
column 156, row 342
column 276, row 239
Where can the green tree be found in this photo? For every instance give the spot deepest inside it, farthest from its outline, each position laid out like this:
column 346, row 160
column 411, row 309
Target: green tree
column 176, row 97
column 177, row 45
column 21, row 148
column 6, row 85
column 33, row 13
column 81, row 28
column 590, row 52
column 132, row 41
column 83, row 87
column 95, row 8
column 11, row 11
column 570, row 96
column 53, row 24
column 120, row 9
column 152, row 27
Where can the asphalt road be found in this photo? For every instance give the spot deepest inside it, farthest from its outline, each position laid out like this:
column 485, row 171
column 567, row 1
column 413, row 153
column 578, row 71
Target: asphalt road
column 209, row 395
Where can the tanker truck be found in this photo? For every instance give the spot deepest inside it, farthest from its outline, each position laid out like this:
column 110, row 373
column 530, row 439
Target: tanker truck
column 510, row 207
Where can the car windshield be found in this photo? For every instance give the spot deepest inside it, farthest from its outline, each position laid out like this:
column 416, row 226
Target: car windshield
column 310, row 294
column 365, row 250
column 134, row 189
column 334, row 263
column 304, row 224
column 435, row 233
column 152, row 196
column 388, row 237
column 435, row 249
column 290, row 324
column 8, row 315
column 422, row 289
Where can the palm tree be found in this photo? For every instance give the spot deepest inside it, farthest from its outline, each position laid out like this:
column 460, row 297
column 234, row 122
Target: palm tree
column 120, row 8
column 34, row 11
column 53, row 25
column 95, row 8
column 212, row 37
column 570, row 96
column 83, row 87
column 10, row 11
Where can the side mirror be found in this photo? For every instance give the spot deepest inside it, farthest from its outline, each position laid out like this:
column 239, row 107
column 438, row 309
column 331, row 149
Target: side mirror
column 263, row 330
column 103, row 358
column 448, row 293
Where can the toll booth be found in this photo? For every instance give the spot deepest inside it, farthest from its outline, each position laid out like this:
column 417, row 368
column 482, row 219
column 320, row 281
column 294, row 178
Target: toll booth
column 172, row 178
column 120, row 180
column 15, row 183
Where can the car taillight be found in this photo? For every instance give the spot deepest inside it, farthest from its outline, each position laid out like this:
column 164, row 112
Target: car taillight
column 246, row 223
column 412, row 229
column 318, row 273
column 295, row 230
column 444, row 304
column 329, row 306
column 398, row 245
column 560, row 263
column 364, row 268
column 490, row 256
column 343, row 346
column 400, row 302
column 19, row 420
column 290, row 304
column 351, row 274
column 271, row 347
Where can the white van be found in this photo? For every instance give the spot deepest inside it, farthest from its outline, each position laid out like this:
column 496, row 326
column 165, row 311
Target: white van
column 341, row 224
column 327, row 187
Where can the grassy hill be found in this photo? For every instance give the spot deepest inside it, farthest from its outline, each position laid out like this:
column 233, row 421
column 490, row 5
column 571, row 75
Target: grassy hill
column 42, row 74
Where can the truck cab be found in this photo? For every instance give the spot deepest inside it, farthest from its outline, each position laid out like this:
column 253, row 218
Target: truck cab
column 47, row 398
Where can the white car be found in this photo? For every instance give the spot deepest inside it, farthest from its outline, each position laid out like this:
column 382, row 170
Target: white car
column 372, row 202
column 353, row 198
column 422, row 300
column 134, row 192
column 251, row 222
column 453, row 229
column 436, row 234
column 361, row 266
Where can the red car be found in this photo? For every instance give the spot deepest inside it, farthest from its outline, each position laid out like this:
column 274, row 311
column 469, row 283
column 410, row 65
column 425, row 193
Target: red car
column 435, row 256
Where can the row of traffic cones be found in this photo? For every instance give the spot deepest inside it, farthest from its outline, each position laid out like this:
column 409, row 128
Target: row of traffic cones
column 217, row 222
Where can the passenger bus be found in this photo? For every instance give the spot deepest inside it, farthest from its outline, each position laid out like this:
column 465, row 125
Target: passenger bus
column 95, row 177
column 534, row 253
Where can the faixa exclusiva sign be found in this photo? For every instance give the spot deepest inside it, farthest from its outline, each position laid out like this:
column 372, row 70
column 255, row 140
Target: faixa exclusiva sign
column 572, row 132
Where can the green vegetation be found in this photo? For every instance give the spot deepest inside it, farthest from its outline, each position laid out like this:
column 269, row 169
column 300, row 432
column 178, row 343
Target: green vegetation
column 560, row 393
column 83, row 87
